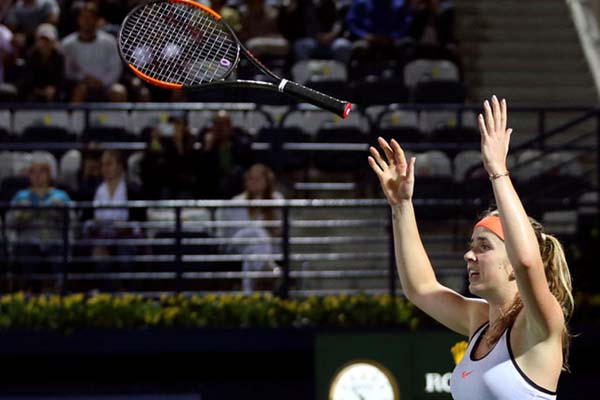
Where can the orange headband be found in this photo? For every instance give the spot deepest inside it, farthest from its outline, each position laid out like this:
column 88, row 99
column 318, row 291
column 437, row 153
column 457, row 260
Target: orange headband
column 493, row 224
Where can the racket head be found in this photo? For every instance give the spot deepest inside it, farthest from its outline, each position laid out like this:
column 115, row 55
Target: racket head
column 178, row 44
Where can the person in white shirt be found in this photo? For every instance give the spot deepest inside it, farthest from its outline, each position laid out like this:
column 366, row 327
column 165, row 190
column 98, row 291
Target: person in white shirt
column 519, row 337
column 25, row 16
column 6, row 48
column 92, row 62
column 254, row 222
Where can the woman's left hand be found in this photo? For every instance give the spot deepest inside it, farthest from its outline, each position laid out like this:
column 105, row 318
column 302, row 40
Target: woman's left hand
column 495, row 138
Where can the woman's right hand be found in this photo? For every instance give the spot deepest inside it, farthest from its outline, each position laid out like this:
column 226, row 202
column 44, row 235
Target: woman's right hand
column 396, row 176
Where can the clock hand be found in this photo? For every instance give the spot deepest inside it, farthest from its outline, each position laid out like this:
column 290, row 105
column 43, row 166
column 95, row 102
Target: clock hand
column 360, row 396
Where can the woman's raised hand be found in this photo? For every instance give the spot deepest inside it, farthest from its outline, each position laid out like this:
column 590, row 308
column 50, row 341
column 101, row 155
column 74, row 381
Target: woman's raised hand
column 395, row 174
column 495, row 137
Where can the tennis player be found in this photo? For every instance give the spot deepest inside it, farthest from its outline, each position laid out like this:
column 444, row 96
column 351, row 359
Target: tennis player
column 519, row 341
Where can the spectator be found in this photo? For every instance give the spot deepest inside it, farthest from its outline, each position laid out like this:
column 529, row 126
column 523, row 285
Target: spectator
column 226, row 153
column 229, row 14
column 259, row 184
column 7, row 91
column 39, row 232
column 6, row 48
column 110, row 14
column 433, row 29
column 380, row 28
column 92, row 62
column 170, row 162
column 114, row 223
column 315, row 27
column 117, row 93
column 26, row 15
column 44, row 67
column 90, row 176
column 260, row 32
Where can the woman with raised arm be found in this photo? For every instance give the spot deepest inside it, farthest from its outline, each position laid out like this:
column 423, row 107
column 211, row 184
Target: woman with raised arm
column 517, row 327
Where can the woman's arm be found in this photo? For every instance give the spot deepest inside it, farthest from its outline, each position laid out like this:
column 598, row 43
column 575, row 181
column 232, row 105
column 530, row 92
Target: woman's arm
column 417, row 277
column 542, row 311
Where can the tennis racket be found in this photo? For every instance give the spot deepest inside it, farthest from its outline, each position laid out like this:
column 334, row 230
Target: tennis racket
column 183, row 45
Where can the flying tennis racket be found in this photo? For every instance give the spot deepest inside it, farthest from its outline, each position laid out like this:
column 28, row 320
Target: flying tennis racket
column 181, row 44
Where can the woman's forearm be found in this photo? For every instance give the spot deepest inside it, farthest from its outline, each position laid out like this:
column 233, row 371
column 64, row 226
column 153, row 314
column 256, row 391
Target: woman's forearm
column 414, row 268
column 521, row 243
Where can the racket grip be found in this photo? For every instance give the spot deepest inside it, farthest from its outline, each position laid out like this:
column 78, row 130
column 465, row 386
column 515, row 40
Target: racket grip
column 341, row 108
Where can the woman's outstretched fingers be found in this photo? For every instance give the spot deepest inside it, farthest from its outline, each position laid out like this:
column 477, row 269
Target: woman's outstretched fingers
column 504, row 114
column 378, row 159
column 482, row 127
column 375, row 167
column 398, row 154
column 497, row 113
column 385, row 146
column 489, row 117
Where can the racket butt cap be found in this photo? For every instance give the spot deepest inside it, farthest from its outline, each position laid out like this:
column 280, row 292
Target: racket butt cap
column 347, row 110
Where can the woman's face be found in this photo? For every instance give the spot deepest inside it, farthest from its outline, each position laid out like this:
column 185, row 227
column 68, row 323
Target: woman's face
column 487, row 262
column 39, row 175
column 44, row 45
column 110, row 167
column 256, row 182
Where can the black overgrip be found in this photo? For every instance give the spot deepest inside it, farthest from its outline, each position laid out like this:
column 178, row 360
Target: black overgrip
column 341, row 108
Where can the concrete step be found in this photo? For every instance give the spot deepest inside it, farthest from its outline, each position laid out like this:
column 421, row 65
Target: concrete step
column 510, row 22
column 513, row 64
column 560, row 95
column 500, row 34
column 524, row 50
column 506, row 3
column 517, row 9
column 499, row 77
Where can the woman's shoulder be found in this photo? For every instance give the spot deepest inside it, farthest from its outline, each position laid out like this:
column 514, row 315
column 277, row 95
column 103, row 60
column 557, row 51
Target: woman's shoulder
column 60, row 194
column 241, row 196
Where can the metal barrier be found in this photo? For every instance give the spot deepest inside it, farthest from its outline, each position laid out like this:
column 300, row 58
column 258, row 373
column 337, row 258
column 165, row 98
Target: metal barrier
column 324, row 246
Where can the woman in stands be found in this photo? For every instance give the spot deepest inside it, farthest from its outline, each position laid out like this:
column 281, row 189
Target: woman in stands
column 519, row 340
column 39, row 231
column 259, row 184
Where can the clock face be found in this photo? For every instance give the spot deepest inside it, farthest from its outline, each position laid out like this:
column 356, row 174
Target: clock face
column 363, row 380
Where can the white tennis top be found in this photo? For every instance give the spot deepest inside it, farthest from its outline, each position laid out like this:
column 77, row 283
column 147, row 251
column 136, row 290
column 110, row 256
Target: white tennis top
column 495, row 376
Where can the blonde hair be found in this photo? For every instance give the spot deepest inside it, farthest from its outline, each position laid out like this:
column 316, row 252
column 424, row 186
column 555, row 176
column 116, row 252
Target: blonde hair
column 559, row 282
column 44, row 157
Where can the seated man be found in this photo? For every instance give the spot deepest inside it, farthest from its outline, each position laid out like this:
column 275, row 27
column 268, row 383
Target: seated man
column 39, row 232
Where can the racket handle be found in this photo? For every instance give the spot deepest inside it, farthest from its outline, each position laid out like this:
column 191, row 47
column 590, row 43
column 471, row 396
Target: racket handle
column 341, row 108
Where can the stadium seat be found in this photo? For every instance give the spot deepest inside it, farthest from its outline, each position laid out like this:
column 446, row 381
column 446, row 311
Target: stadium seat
column 439, row 91
column 336, row 160
column 6, row 120
column 402, row 134
column 134, row 167
column 464, row 161
column 290, row 160
column 429, row 121
column 106, row 134
column 380, row 91
column 45, row 118
column 45, row 134
column 69, row 166
column 307, row 71
column 338, row 89
column 422, row 70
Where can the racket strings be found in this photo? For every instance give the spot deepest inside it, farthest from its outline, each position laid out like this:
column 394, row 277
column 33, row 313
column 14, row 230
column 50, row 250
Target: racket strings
column 178, row 43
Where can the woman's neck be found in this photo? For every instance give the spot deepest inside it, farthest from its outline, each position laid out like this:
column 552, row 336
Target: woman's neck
column 112, row 185
column 40, row 191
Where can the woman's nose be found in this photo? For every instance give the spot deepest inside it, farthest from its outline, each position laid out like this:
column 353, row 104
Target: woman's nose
column 470, row 256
